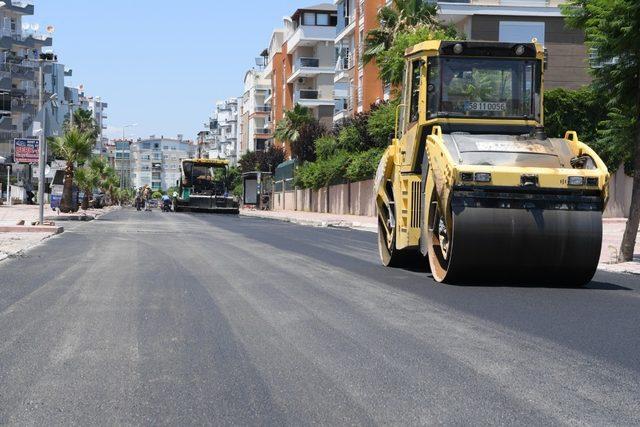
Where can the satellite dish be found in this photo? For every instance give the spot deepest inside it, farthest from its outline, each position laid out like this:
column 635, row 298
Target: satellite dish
column 51, row 29
column 35, row 26
column 26, row 26
column 81, row 88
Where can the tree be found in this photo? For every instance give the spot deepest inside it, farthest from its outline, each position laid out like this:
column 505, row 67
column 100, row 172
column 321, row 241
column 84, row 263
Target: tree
column 304, row 148
column 73, row 147
column 270, row 158
column 402, row 17
column 83, row 121
column 612, row 30
column 288, row 128
column 391, row 62
column 395, row 18
column 86, row 179
column 249, row 162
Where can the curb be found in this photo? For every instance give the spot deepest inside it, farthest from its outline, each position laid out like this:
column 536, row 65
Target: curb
column 82, row 218
column 31, row 229
column 317, row 223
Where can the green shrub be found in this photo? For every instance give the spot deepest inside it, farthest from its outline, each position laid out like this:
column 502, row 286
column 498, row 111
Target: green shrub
column 156, row 195
column 364, row 165
column 382, row 123
column 321, row 173
column 349, row 139
column 326, row 147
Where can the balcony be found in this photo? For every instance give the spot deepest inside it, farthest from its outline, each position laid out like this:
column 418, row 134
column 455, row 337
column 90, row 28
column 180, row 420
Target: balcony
column 344, row 68
column 307, row 35
column 21, row 7
column 311, row 98
column 22, row 106
column 6, row 125
column 263, row 109
column 347, row 31
column 308, row 67
column 342, row 110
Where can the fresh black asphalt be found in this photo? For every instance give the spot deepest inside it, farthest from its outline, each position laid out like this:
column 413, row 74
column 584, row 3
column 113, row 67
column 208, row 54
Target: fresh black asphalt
column 180, row 319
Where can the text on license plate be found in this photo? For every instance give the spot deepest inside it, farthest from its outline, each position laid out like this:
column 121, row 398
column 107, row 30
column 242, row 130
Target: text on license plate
column 485, row 106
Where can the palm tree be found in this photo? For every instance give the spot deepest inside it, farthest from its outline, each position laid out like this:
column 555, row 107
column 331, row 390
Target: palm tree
column 73, row 147
column 399, row 16
column 86, row 180
column 83, row 120
column 288, row 129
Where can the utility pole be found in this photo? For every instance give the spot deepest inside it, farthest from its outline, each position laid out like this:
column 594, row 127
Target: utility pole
column 43, row 139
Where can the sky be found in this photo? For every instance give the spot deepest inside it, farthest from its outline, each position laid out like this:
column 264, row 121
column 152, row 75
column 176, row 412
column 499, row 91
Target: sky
column 160, row 64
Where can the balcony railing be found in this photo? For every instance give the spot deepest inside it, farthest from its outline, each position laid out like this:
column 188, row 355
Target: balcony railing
column 307, row 94
column 342, row 105
column 308, row 63
column 263, row 108
column 344, row 62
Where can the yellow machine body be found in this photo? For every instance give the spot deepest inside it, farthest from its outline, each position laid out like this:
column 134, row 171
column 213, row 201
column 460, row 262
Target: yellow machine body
column 470, row 160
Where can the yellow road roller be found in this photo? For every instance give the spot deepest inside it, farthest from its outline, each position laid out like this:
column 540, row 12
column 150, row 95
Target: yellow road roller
column 473, row 186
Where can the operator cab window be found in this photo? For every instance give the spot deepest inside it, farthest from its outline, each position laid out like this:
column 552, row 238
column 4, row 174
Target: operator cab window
column 414, row 110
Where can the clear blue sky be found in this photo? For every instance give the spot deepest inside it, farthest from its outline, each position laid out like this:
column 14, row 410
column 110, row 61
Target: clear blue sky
column 160, row 63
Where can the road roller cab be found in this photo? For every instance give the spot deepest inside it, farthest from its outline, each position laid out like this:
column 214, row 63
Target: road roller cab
column 472, row 182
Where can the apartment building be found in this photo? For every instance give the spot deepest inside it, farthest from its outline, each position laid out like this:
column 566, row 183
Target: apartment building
column 98, row 109
column 520, row 21
column 357, row 86
column 301, row 63
column 156, row 161
column 119, row 156
column 20, row 48
column 223, row 131
column 274, row 72
column 255, row 113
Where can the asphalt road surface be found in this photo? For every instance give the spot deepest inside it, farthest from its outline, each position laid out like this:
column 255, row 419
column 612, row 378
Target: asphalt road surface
column 151, row 318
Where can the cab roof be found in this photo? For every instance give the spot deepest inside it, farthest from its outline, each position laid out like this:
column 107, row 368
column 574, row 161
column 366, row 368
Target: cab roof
column 209, row 162
column 477, row 48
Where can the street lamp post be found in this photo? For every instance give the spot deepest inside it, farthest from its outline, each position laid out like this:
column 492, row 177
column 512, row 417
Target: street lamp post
column 42, row 139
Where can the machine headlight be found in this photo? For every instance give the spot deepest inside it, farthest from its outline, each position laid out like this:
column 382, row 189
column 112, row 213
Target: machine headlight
column 593, row 182
column 457, row 48
column 576, row 181
column 482, row 177
column 519, row 50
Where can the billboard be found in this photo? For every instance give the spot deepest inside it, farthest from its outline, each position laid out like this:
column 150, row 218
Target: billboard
column 26, row 150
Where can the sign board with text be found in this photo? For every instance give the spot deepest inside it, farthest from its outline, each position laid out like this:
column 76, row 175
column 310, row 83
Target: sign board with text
column 26, row 150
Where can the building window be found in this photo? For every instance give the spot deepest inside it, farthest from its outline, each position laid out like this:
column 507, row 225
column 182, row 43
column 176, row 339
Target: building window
column 308, row 18
column 322, row 19
column 521, row 32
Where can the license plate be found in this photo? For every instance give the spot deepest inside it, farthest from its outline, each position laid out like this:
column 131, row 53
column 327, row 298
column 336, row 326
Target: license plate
column 485, row 106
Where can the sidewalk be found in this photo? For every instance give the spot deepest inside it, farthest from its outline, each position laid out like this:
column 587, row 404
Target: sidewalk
column 14, row 238
column 365, row 223
column 612, row 232
column 10, row 215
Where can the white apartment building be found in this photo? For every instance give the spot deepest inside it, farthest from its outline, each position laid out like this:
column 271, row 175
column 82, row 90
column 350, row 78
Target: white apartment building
column 156, row 161
column 255, row 113
column 98, row 108
column 310, row 41
column 345, row 72
column 224, row 130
